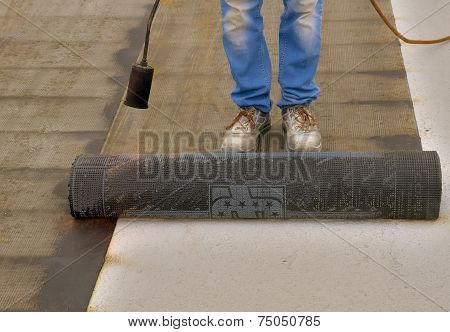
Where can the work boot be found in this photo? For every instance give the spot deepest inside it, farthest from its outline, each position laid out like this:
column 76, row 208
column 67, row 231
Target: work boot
column 301, row 129
column 244, row 133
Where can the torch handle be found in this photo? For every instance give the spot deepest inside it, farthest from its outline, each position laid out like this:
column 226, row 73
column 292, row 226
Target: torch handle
column 147, row 36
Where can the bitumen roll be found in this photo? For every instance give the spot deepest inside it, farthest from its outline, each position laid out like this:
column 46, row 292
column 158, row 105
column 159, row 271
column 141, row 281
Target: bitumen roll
column 281, row 185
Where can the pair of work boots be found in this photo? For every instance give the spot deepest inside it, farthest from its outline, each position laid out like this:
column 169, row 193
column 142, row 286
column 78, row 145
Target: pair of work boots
column 300, row 128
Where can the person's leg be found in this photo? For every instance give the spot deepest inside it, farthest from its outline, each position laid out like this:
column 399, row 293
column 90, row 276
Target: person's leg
column 246, row 49
column 299, row 49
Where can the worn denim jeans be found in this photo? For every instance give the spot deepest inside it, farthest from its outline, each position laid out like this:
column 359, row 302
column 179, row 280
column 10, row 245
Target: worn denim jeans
column 248, row 56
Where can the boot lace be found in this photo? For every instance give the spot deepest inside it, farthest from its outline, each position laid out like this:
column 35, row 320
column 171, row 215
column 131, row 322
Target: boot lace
column 302, row 115
column 246, row 112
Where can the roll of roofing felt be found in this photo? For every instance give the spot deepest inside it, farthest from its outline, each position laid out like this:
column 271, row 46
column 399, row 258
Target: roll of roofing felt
column 282, row 185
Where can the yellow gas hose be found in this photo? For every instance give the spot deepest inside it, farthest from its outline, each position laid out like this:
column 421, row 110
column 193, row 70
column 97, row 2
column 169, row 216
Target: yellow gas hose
column 399, row 35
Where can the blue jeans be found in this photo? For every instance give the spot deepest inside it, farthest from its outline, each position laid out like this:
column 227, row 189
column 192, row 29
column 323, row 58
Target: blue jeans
column 246, row 49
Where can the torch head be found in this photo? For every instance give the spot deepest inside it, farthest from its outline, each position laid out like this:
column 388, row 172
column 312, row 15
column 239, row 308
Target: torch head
column 139, row 86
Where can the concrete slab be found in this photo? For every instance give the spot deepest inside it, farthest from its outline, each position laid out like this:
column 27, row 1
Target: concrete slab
column 255, row 266
column 156, row 265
